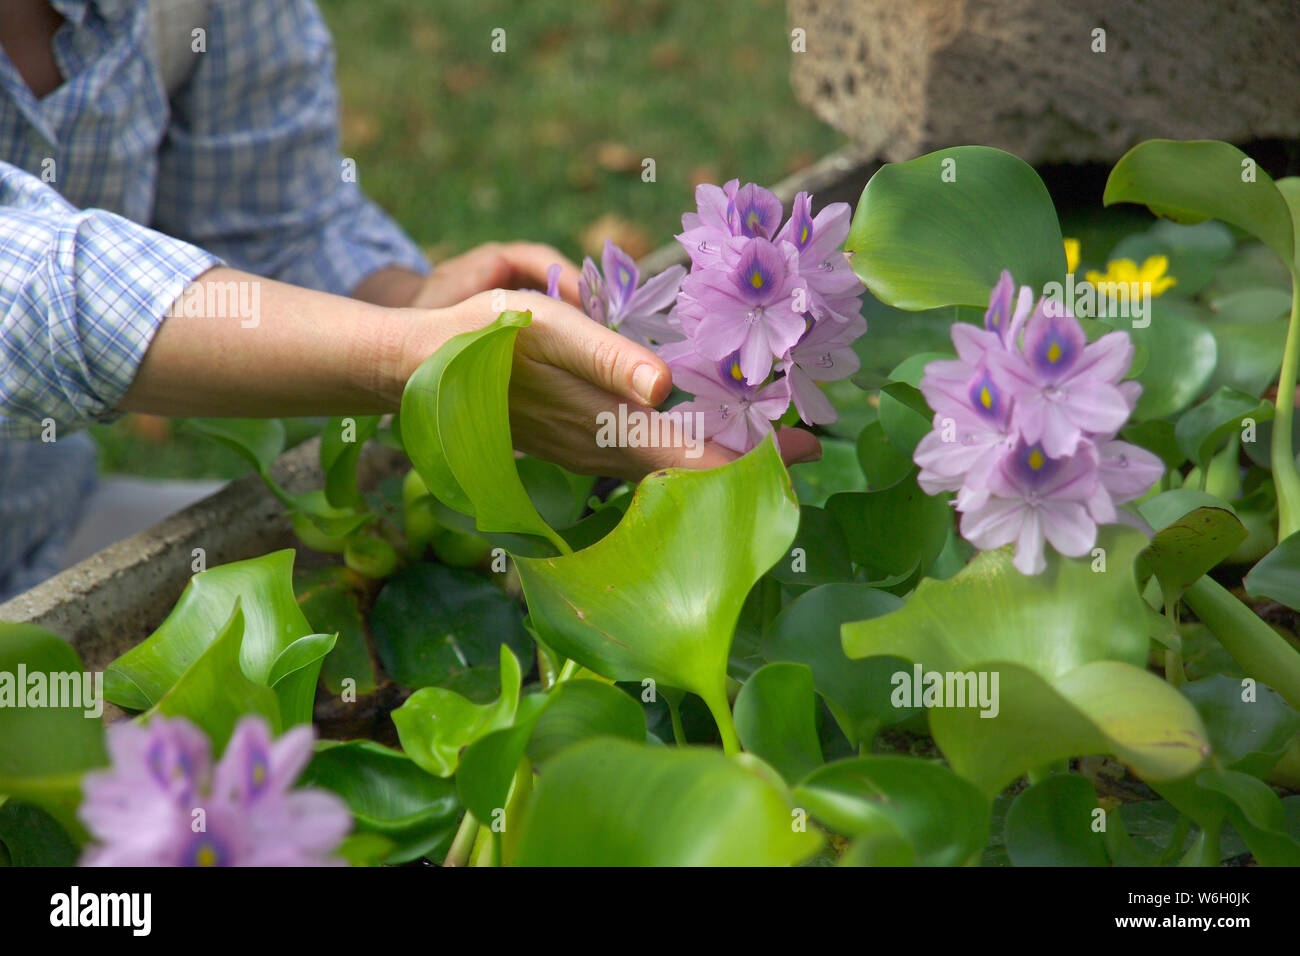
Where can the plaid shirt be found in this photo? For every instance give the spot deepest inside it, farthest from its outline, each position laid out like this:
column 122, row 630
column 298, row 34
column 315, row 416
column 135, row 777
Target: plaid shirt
column 241, row 165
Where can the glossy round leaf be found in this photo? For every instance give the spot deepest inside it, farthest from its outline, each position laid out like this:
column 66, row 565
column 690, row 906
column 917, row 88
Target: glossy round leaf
column 943, row 818
column 436, row 724
column 388, row 795
column 1277, row 575
column 1053, row 823
column 776, row 718
column 1194, row 532
column 608, row 802
column 808, row 631
column 939, row 229
column 660, row 595
column 1203, row 179
column 432, row 623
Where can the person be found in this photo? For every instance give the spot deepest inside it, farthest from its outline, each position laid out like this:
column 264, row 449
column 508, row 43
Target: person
column 127, row 189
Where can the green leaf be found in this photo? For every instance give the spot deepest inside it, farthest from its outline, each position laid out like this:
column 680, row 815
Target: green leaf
column 819, row 554
column 435, row 724
column 1203, row 430
column 1213, row 797
column 940, row 817
column 259, row 441
column 544, row 725
column 1203, row 179
column 432, row 624
column 44, row 750
column 836, row 470
column 330, row 605
column 389, row 796
column 1052, row 824
column 1067, row 647
column 612, row 803
column 294, row 676
column 1261, row 305
column 32, row 837
column 1194, row 532
column 776, row 718
column 1249, row 355
column 338, row 457
column 808, row 631
column 1277, row 575
column 691, row 546
column 585, row 708
column 456, row 428
column 904, row 416
column 559, row 496
column 272, row 621
column 881, row 462
column 1250, row 734
column 894, row 530
column 1181, row 358
column 213, row 691
column 939, row 229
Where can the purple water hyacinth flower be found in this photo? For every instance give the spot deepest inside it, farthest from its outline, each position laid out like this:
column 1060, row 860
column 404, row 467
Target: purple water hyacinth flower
column 754, row 212
column 1008, row 310
column 823, row 354
column 610, row 296
column 1025, row 420
column 1127, row 471
column 750, row 308
column 553, row 280
column 973, row 430
column 736, row 414
column 162, row 803
column 834, row 288
column 1035, row 498
column 705, row 231
column 1063, row 387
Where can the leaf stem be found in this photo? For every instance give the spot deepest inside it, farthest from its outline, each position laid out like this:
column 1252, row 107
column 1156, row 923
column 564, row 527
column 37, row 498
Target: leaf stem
column 721, row 711
column 1285, row 476
column 1174, row 654
column 675, row 715
column 463, row 842
column 1262, row 653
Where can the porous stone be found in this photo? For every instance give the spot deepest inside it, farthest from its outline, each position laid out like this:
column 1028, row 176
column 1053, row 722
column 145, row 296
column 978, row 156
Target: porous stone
column 1048, row 81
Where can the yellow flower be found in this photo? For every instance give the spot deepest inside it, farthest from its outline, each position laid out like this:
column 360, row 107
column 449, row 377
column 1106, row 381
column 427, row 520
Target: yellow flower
column 1071, row 254
column 1128, row 272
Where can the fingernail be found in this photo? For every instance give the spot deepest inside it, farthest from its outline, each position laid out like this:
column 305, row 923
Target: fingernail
column 644, row 379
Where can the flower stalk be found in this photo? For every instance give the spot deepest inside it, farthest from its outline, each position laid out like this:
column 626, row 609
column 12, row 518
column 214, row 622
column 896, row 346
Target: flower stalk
column 1285, row 476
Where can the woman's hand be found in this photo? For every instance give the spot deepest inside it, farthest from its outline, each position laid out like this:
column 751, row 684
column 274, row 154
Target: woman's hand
column 496, row 265
column 567, row 370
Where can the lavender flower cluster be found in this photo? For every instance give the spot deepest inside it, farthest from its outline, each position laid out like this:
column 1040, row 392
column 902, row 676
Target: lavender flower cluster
column 767, row 311
column 163, row 803
column 1025, row 421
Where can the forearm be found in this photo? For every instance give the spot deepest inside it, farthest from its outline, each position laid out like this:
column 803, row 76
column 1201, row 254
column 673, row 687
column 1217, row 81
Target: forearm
column 394, row 287
column 302, row 353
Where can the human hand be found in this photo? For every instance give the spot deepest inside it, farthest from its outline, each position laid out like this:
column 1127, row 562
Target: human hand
column 567, row 370
column 495, row 265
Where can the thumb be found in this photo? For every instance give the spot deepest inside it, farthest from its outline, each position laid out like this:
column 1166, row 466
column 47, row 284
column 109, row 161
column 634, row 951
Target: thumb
column 564, row 337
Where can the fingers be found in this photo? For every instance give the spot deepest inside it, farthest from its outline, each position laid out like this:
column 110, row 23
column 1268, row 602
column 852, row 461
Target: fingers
column 798, row 446
column 564, row 337
column 530, row 260
column 456, row 279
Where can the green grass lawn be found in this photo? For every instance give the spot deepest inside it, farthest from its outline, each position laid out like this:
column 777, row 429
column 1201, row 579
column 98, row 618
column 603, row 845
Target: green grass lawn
column 544, row 141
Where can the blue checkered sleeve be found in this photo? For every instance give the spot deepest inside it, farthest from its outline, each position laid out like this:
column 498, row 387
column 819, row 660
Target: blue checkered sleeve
column 82, row 293
column 250, row 168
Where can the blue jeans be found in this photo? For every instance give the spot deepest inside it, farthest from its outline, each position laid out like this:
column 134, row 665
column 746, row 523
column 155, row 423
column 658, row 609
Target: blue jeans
column 43, row 492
